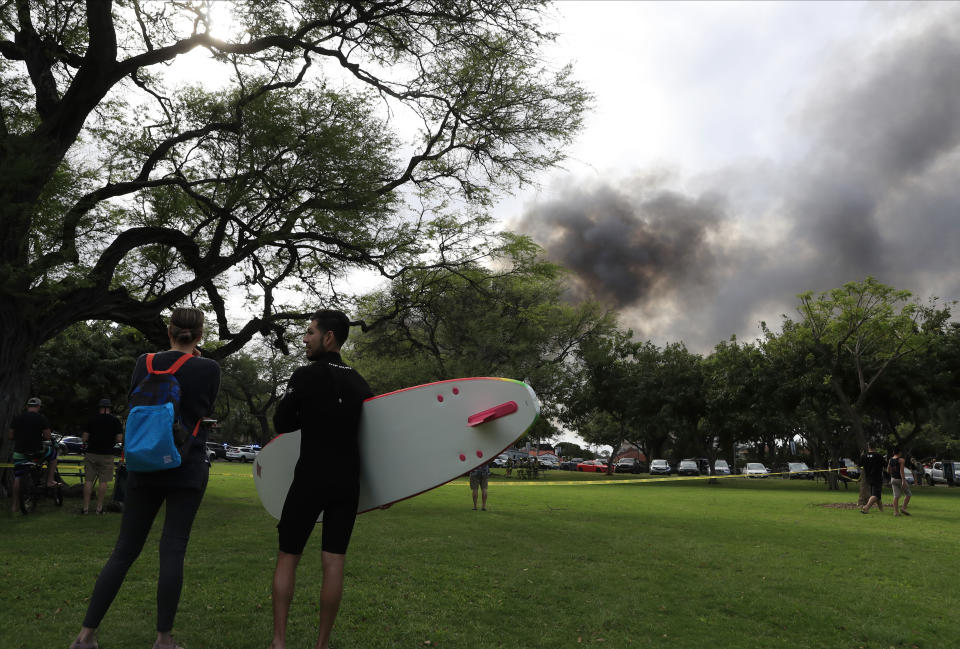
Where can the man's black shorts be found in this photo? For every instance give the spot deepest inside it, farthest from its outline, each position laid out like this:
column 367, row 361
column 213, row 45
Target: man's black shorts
column 875, row 489
column 305, row 501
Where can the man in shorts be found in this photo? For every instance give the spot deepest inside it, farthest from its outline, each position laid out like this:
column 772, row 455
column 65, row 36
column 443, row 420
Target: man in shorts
column 102, row 432
column 478, row 480
column 872, row 463
column 29, row 430
column 323, row 400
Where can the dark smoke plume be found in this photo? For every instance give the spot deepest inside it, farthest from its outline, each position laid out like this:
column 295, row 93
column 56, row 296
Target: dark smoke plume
column 629, row 246
column 877, row 193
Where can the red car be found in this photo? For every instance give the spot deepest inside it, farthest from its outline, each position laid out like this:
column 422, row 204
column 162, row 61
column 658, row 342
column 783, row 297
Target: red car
column 595, row 466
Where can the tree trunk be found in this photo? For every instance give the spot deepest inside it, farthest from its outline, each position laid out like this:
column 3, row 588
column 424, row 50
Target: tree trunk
column 17, row 348
column 264, row 427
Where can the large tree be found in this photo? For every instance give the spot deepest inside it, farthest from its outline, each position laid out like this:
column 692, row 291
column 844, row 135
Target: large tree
column 857, row 333
column 124, row 192
column 251, row 386
column 511, row 318
column 636, row 392
column 83, row 364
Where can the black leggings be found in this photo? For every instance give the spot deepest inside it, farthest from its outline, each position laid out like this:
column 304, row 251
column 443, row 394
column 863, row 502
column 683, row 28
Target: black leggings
column 140, row 509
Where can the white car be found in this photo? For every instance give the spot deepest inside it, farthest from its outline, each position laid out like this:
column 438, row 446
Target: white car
column 936, row 474
column 242, row 453
column 720, row 467
column 755, row 470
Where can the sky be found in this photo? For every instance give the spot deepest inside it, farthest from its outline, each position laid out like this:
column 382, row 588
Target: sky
column 737, row 154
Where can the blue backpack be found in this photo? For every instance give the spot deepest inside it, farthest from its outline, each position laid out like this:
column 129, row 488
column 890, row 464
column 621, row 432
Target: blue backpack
column 155, row 434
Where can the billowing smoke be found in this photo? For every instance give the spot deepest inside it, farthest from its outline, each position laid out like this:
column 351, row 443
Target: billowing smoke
column 628, row 245
column 877, row 192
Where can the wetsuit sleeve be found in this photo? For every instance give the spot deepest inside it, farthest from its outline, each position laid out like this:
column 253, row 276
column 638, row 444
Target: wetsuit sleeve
column 214, row 385
column 286, row 418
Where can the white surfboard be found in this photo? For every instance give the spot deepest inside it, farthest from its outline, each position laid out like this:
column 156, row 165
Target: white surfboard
column 415, row 439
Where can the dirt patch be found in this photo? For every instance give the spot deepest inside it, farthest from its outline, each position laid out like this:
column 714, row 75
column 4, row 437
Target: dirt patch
column 841, row 505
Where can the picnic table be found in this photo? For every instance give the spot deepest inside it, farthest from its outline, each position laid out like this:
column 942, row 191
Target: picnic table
column 72, row 466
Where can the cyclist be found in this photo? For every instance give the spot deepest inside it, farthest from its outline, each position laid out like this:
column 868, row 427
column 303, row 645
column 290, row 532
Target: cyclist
column 28, row 431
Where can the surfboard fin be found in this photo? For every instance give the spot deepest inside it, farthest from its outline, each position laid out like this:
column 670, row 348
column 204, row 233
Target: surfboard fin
column 490, row 414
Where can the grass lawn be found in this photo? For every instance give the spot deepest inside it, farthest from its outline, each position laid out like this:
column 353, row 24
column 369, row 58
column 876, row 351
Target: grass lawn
column 758, row 563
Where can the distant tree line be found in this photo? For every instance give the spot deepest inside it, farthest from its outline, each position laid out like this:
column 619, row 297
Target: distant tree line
column 863, row 361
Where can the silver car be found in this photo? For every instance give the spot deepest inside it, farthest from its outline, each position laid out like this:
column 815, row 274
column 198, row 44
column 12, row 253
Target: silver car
column 660, row 467
column 755, row 470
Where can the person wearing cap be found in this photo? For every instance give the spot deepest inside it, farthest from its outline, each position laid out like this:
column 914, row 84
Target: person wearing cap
column 102, row 432
column 29, row 430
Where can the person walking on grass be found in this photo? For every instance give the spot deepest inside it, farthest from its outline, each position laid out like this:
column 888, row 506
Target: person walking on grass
column 917, row 469
column 479, row 479
column 181, row 488
column 323, row 400
column 898, row 481
column 872, row 463
column 102, row 432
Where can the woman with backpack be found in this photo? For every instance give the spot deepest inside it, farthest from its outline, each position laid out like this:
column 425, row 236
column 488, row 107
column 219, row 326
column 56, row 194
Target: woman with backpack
column 190, row 383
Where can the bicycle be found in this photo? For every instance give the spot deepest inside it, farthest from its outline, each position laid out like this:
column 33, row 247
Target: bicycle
column 33, row 485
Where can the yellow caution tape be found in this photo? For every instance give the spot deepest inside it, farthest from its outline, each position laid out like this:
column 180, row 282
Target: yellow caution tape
column 608, row 481
column 611, row 481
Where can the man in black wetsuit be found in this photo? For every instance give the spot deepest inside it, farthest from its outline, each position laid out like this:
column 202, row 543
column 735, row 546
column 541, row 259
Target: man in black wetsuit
column 323, row 400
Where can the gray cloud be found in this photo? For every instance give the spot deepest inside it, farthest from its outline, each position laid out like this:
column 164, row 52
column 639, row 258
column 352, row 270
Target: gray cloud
column 877, row 193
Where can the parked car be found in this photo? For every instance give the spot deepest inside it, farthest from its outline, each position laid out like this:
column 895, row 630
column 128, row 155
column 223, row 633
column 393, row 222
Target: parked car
column 936, row 473
column 688, row 467
column 798, row 471
column 628, row 465
column 720, row 467
column 755, row 470
column 70, row 444
column 849, row 468
column 500, row 461
column 595, row 466
column 570, row 465
column 547, row 463
column 241, row 454
column 660, row 467
column 217, row 450
column 703, row 465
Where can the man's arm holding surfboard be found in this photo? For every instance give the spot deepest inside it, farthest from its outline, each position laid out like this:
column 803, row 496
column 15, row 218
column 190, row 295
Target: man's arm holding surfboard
column 286, row 418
